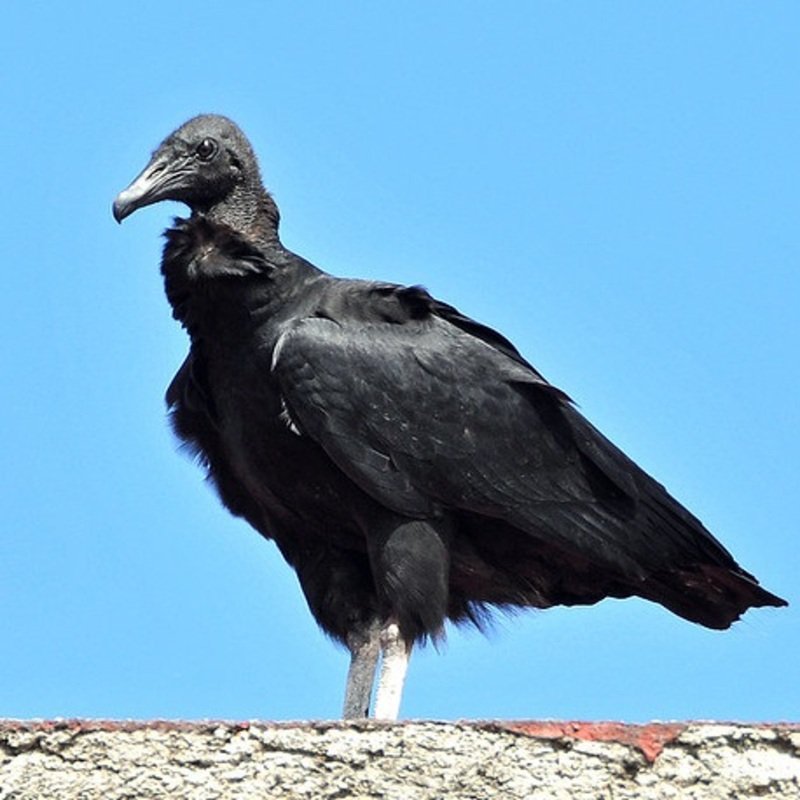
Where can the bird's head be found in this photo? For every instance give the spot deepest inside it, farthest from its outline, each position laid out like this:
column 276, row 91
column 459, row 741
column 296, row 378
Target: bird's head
column 206, row 163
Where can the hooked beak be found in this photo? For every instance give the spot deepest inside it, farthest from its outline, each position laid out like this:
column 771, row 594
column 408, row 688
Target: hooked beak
column 150, row 186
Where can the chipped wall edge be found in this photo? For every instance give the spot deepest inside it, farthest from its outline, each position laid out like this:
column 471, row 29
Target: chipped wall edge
column 518, row 760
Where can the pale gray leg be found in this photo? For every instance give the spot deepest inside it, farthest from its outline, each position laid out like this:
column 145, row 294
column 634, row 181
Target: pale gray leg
column 394, row 663
column 364, row 652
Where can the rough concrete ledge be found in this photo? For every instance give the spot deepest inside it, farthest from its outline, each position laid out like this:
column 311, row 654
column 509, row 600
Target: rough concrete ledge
column 84, row 760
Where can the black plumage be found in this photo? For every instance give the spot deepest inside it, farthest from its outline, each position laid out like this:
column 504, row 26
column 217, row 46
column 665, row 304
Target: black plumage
column 409, row 463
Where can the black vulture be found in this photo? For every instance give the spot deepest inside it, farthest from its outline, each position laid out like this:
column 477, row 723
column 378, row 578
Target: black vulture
column 408, row 461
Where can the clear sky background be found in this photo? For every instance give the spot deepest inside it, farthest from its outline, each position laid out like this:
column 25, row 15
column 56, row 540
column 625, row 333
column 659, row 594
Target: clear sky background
column 612, row 185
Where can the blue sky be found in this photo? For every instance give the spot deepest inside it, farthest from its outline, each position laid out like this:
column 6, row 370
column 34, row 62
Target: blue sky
column 612, row 185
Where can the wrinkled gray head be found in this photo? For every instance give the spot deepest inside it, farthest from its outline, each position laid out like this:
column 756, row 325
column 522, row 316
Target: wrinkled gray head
column 204, row 163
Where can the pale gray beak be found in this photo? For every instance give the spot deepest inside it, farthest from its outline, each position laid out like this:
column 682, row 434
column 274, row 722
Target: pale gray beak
column 150, row 186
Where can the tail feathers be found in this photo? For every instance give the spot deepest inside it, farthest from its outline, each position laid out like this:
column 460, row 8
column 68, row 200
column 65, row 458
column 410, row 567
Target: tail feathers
column 710, row 595
column 680, row 564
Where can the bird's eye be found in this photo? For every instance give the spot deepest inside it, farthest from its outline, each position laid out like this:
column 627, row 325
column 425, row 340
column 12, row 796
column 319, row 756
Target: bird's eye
column 206, row 149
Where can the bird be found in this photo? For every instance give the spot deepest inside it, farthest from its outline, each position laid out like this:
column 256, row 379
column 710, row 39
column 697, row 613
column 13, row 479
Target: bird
column 409, row 463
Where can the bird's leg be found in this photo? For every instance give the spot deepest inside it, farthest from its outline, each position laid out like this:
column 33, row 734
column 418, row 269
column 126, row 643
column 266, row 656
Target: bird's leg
column 364, row 651
column 395, row 654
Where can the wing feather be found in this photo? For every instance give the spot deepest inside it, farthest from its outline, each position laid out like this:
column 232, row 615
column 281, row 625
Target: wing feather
column 425, row 416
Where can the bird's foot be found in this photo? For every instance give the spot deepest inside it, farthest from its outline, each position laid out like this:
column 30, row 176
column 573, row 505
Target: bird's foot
column 395, row 654
column 364, row 649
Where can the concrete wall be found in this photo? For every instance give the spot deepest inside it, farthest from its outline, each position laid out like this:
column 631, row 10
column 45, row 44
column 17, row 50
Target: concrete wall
column 405, row 761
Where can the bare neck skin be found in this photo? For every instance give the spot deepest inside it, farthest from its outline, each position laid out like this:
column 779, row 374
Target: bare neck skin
column 250, row 210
